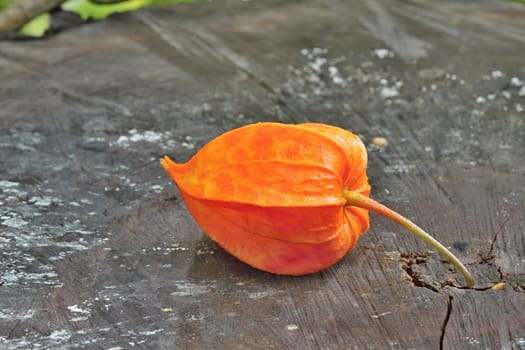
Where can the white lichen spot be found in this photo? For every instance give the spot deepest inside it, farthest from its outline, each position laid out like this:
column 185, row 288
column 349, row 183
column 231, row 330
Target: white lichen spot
column 522, row 91
column 76, row 309
column 381, row 314
column 388, row 92
column 148, row 136
column 259, row 295
column 519, row 108
column 152, row 332
column 156, row 188
column 14, row 222
column 335, row 75
column 91, row 139
column 314, row 78
column 5, row 185
column 514, row 81
column 199, row 317
column 316, row 51
column 317, row 64
column 202, row 251
column 338, row 80
column 48, row 278
column 79, row 319
column 176, row 247
column 85, row 201
column 481, row 99
column 383, row 53
column 399, row 168
column 496, row 74
column 10, row 314
column 41, row 201
column 186, row 288
column 59, row 336
column 506, row 94
column 188, row 142
column 473, row 341
column 292, row 327
column 519, row 342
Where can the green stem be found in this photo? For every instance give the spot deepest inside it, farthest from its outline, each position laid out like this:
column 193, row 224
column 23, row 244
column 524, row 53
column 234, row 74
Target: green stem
column 358, row 200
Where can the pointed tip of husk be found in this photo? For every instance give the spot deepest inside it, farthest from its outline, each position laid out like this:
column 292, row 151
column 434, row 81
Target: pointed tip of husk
column 165, row 161
column 173, row 169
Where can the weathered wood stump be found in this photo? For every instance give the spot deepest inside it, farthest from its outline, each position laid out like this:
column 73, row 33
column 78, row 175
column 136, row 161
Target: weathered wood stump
column 98, row 250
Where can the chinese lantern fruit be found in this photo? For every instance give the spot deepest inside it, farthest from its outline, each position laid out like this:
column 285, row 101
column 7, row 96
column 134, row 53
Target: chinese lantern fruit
column 287, row 199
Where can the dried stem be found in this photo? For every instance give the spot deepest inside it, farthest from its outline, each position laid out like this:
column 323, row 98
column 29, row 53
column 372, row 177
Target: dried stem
column 358, row 200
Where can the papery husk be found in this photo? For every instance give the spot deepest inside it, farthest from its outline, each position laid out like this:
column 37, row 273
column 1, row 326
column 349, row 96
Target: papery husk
column 270, row 194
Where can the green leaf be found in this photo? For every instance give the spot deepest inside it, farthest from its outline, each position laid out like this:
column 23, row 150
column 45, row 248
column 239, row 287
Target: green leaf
column 5, row 4
column 91, row 10
column 167, row 2
column 37, row 26
column 87, row 9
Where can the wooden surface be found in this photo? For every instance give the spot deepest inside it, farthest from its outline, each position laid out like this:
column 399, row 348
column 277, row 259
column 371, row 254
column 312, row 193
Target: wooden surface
column 97, row 250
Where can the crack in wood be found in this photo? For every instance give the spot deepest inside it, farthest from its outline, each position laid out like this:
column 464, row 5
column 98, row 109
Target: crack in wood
column 445, row 322
column 409, row 261
column 442, row 189
column 515, row 286
column 500, row 229
column 418, row 280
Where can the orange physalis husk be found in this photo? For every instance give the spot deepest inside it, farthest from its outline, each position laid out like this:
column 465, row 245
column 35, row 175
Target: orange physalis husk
column 287, row 199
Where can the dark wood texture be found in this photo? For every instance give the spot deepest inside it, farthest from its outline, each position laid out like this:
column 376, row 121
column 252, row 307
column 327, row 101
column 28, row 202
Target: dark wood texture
column 97, row 250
